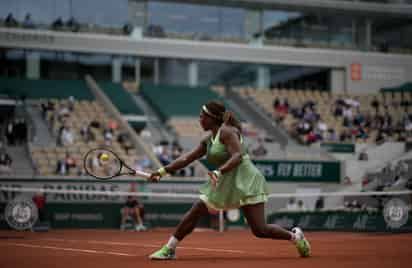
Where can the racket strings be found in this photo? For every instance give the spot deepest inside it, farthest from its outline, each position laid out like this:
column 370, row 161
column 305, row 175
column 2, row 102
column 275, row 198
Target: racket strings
column 102, row 163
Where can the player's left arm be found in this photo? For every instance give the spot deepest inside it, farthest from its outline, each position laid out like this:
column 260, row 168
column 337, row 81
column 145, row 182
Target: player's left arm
column 230, row 138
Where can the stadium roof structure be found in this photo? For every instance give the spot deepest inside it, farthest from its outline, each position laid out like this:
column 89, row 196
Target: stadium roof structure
column 329, row 6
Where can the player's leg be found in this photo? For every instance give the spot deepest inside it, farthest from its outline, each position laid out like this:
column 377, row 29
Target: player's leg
column 139, row 221
column 185, row 227
column 255, row 215
column 125, row 213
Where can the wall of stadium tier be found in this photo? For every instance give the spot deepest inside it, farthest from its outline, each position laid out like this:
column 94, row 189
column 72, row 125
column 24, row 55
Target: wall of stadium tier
column 173, row 100
column 44, row 89
column 355, row 71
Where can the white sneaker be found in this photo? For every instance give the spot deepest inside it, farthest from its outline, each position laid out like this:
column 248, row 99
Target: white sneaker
column 302, row 245
column 122, row 227
column 140, row 227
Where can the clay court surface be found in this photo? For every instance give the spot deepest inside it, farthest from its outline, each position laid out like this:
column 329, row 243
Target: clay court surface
column 237, row 248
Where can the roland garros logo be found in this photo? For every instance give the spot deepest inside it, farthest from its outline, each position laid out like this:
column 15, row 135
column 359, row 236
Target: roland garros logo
column 396, row 213
column 21, row 213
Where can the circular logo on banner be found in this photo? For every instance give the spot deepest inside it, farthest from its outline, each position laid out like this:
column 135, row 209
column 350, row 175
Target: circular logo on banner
column 396, row 213
column 21, row 213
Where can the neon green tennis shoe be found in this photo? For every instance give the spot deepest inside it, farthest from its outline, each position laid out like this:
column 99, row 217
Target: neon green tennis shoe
column 165, row 253
column 301, row 243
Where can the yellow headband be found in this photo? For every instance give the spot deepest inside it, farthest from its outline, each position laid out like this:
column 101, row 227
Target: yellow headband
column 206, row 111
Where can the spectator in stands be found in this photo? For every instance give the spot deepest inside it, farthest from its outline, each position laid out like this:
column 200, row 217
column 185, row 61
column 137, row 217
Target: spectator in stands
column 86, row 133
column 66, row 136
column 10, row 133
column 47, row 107
column 63, row 166
column 95, row 123
column 64, row 112
column 73, row 25
column 70, row 103
column 112, row 125
column 20, row 131
column 375, row 104
column 57, row 24
column 127, row 28
column 346, row 180
column 338, row 111
column 125, row 142
column 259, row 150
column 40, row 201
column 363, row 155
column 5, row 163
column 108, row 136
column 133, row 208
column 10, row 21
column 291, row 205
column 331, row 136
column 301, row 206
column 320, row 203
column 28, row 23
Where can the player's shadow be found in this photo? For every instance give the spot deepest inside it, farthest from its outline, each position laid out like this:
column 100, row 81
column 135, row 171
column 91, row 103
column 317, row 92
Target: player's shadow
column 11, row 237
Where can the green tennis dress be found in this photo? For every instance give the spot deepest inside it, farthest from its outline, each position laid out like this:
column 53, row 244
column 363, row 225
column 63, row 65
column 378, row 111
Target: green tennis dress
column 244, row 185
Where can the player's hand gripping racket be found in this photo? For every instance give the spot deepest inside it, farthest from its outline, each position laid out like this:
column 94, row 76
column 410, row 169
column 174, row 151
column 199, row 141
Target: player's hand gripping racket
column 104, row 164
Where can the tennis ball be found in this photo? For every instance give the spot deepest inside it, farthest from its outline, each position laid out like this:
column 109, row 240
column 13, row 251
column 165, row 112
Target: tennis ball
column 104, row 157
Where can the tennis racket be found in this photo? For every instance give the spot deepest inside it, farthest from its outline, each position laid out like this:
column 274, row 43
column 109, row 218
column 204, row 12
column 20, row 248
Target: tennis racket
column 104, row 164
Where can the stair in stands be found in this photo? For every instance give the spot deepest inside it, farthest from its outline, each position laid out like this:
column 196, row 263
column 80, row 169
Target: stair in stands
column 21, row 165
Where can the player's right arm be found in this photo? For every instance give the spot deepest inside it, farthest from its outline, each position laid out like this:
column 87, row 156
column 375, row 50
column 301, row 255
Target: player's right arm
column 185, row 159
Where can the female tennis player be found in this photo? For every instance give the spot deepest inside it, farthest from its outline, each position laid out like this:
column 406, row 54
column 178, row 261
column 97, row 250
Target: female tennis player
column 236, row 183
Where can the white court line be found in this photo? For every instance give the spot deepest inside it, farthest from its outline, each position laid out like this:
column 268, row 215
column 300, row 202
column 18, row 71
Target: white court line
column 69, row 249
column 142, row 245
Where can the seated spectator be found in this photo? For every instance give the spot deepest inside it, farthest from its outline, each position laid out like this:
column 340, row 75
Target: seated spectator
column 40, row 201
column 10, row 133
column 57, row 24
column 63, row 166
column 95, row 123
column 28, row 23
column 301, row 206
column 291, row 205
column 10, row 21
column 331, row 136
column 346, row 180
column 73, row 25
column 133, row 208
column 124, row 140
column 5, row 163
column 127, row 29
column 320, row 203
column 66, row 136
column 108, row 136
column 112, row 125
column 70, row 103
column 259, row 150
column 363, row 155
column 375, row 104
column 86, row 133
column 63, row 112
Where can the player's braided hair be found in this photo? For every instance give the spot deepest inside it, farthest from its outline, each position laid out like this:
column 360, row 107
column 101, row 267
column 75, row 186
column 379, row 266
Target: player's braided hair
column 218, row 111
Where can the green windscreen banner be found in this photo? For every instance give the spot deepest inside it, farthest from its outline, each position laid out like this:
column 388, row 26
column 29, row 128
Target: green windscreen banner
column 347, row 148
column 297, row 171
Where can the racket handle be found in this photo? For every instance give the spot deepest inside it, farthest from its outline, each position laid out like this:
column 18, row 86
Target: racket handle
column 142, row 174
